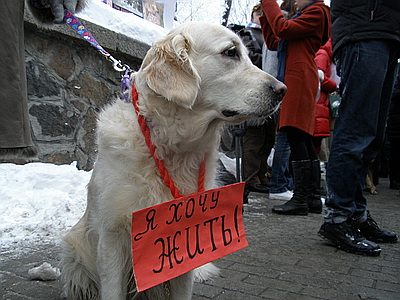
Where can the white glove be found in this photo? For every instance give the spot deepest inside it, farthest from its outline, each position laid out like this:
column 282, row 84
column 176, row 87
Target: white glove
column 321, row 75
column 58, row 7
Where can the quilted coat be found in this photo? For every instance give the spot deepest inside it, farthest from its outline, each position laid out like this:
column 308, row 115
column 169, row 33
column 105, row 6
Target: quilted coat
column 323, row 61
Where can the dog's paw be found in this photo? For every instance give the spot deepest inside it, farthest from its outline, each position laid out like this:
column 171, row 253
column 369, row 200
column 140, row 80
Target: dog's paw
column 205, row 272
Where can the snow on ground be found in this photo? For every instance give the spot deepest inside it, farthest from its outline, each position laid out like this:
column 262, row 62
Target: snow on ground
column 39, row 202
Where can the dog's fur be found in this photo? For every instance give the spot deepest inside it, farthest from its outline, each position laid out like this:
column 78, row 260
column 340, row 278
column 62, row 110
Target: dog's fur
column 191, row 82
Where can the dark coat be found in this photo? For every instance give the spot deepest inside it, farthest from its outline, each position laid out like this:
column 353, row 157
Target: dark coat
column 253, row 40
column 14, row 116
column 305, row 35
column 358, row 20
column 323, row 61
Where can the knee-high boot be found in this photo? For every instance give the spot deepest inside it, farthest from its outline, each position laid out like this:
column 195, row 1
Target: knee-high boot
column 298, row 205
column 314, row 200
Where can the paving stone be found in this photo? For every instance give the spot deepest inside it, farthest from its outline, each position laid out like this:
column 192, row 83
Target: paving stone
column 285, row 260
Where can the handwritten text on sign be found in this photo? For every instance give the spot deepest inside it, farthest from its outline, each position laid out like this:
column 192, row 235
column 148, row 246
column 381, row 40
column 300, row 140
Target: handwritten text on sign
column 172, row 238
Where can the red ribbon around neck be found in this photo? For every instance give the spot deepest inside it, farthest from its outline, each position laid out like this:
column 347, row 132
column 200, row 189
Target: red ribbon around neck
column 159, row 162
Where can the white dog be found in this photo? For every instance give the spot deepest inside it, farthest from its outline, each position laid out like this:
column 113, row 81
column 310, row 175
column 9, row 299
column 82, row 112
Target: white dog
column 191, row 82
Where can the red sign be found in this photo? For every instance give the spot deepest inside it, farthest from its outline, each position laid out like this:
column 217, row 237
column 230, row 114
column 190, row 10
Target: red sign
column 172, row 238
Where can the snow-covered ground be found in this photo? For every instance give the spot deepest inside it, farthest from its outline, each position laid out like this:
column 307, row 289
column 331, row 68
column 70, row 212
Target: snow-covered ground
column 39, row 202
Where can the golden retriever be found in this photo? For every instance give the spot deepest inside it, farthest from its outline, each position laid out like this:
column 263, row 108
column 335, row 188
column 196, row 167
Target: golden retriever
column 191, row 82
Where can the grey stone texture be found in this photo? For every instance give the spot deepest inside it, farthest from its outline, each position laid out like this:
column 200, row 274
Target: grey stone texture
column 69, row 82
column 286, row 259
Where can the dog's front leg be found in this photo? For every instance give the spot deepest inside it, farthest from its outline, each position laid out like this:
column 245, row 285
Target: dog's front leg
column 182, row 286
column 111, row 260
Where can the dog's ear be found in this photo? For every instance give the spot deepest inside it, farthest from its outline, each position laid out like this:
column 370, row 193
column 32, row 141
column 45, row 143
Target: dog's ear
column 169, row 72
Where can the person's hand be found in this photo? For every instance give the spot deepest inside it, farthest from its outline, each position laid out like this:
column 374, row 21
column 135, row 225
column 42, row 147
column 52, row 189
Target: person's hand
column 321, row 75
column 59, row 6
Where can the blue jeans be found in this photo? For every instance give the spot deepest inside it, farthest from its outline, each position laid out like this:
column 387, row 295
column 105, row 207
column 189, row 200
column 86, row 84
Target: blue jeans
column 281, row 180
column 367, row 70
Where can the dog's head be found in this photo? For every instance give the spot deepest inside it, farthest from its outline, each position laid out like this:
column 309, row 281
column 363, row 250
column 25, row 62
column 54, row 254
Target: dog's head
column 206, row 66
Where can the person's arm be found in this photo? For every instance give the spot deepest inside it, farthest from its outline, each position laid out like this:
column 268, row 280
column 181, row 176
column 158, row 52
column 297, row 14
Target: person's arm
column 301, row 27
column 52, row 11
column 271, row 40
column 324, row 64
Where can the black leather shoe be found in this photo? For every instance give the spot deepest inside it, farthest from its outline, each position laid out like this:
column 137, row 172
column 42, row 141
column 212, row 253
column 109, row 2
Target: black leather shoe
column 315, row 206
column 371, row 231
column 345, row 236
column 258, row 188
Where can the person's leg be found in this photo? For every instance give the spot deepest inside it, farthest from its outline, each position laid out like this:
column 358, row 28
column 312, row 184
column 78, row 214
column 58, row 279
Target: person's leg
column 367, row 73
column 268, row 141
column 314, row 193
column 281, row 180
column 252, row 150
column 299, row 143
column 358, row 131
column 280, row 164
column 298, row 204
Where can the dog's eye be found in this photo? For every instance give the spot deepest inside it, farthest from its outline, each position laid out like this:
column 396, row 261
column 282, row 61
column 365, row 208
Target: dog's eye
column 231, row 52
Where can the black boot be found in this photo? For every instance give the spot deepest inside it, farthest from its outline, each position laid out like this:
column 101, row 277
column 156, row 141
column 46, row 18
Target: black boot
column 298, row 205
column 314, row 200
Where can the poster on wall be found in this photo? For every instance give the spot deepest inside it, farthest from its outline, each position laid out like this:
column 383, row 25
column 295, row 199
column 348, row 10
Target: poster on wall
column 153, row 11
column 160, row 12
column 132, row 6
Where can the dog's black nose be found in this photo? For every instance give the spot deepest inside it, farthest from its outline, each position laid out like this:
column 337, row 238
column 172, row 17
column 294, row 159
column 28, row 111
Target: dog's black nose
column 279, row 88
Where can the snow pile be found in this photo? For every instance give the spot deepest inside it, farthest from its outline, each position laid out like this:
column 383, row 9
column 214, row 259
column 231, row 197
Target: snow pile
column 122, row 22
column 44, row 272
column 40, row 202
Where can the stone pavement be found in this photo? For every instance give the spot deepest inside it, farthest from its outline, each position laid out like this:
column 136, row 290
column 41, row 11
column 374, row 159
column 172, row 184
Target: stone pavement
column 286, row 259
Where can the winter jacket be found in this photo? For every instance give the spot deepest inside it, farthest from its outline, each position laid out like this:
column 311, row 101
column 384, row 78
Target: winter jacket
column 323, row 60
column 253, row 40
column 357, row 20
column 305, row 35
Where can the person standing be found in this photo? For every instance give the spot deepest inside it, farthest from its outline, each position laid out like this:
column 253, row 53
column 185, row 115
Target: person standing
column 366, row 46
column 281, row 183
column 322, row 127
column 259, row 137
column 15, row 135
column 297, row 41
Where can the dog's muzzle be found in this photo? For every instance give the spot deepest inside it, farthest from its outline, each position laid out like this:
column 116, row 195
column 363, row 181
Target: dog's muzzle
column 276, row 93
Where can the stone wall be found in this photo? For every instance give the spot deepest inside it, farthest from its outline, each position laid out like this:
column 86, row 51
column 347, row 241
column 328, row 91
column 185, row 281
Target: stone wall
column 68, row 83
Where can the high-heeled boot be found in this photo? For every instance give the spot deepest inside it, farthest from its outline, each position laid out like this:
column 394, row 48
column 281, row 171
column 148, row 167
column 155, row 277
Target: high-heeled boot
column 298, row 205
column 314, row 200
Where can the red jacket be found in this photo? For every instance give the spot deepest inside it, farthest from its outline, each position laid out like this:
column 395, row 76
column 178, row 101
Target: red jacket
column 305, row 35
column 323, row 61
